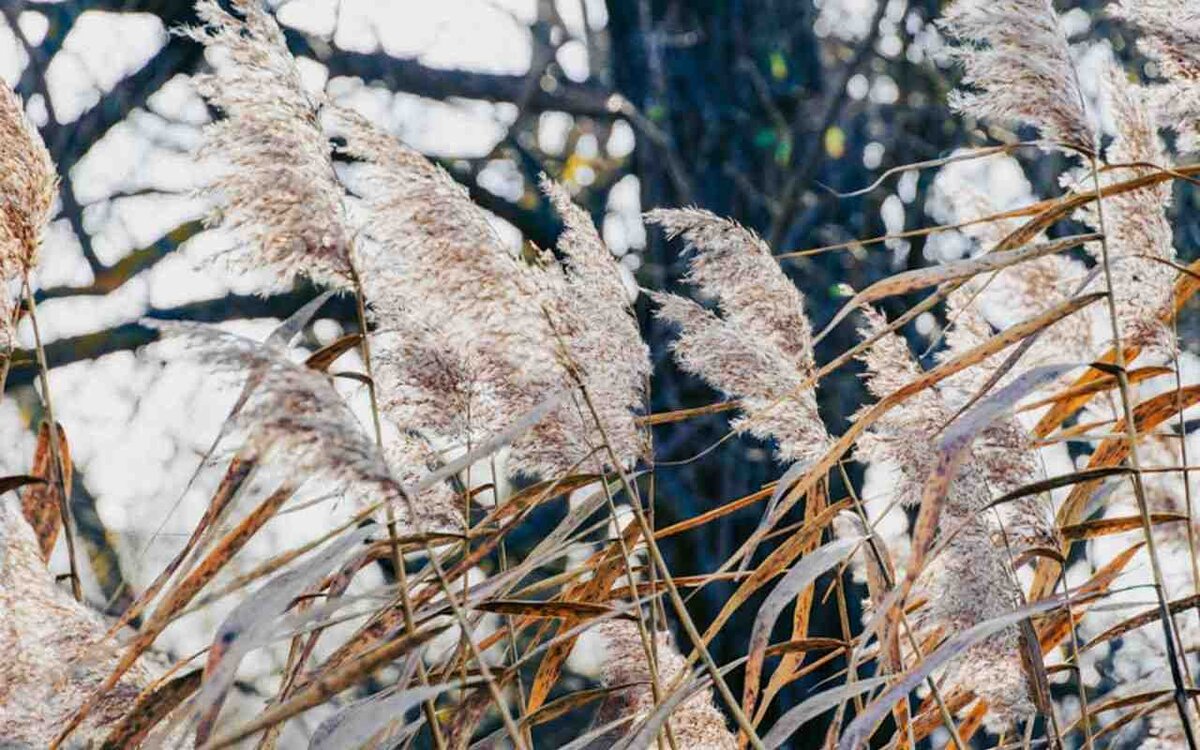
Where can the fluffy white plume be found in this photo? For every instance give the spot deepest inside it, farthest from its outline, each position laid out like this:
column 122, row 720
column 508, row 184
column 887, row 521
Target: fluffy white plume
column 696, row 723
column 467, row 326
column 294, row 415
column 277, row 190
column 759, row 347
column 1171, row 37
column 1017, row 61
column 51, row 666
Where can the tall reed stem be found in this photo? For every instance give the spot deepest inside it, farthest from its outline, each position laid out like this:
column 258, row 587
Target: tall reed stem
column 1139, row 491
column 56, row 459
column 677, row 603
column 427, row 706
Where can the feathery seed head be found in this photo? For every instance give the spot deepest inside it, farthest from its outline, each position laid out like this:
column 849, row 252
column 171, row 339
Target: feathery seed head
column 1171, row 37
column 55, row 658
column 294, row 417
column 1017, row 60
column 589, row 313
column 696, row 723
column 759, row 347
column 490, row 336
column 1138, row 232
column 28, row 186
column 277, row 190
column 969, row 583
column 734, row 265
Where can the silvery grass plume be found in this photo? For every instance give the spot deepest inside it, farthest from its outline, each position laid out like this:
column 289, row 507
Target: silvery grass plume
column 696, row 724
column 1171, row 37
column 1005, row 450
column 467, row 330
column 457, row 333
column 970, row 581
column 294, row 418
column 28, row 185
column 1002, row 458
column 1017, row 61
column 50, row 667
column 588, row 306
column 758, row 345
column 277, row 190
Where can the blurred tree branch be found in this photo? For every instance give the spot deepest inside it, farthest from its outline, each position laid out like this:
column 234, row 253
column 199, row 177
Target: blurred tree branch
column 131, row 336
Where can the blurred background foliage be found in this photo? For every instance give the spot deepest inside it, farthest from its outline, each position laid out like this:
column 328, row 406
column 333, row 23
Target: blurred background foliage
column 759, row 110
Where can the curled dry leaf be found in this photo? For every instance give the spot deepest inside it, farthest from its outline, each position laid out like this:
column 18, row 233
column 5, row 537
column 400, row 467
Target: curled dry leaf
column 40, row 501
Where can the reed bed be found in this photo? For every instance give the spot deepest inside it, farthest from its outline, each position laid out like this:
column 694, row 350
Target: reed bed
column 1006, row 604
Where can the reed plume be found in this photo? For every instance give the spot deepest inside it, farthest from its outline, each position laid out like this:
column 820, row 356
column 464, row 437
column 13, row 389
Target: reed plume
column 466, row 325
column 1170, row 35
column 50, row 667
column 588, row 308
column 971, row 580
column 1139, row 236
column 294, row 417
column 458, row 335
column 276, row 188
column 758, row 347
column 28, row 186
column 1017, row 62
column 696, row 723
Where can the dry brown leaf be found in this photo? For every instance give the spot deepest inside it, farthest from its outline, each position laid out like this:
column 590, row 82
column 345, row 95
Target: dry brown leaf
column 1106, row 526
column 40, row 502
column 944, row 273
column 540, row 610
column 151, row 708
column 321, row 359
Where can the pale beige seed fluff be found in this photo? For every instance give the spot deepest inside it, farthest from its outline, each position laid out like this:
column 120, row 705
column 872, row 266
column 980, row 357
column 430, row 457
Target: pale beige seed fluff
column 970, row 580
column 51, row 665
column 1002, row 457
column 757, row 347
column 295, row 418
column 1138, row 232
column 28, row 186
column 276, row 189
column 469, row 328
column 462, row 346
column 1017, row 67
column 697, row 724
column 588, row 306
column 1170, row 35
